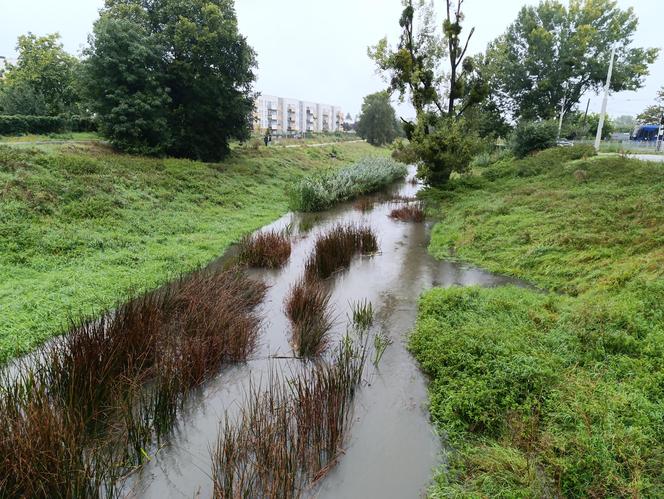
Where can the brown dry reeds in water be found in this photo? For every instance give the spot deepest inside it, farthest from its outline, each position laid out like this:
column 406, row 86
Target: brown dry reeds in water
column 334, row 250
column 363, row 205
column 289, row 436
column 265, row 249
column 89, row 407
column 307, row 307
column 408, row 213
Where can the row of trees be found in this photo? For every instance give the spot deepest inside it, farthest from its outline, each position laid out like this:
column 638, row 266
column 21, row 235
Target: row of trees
column 160, row 76
column 539, row 68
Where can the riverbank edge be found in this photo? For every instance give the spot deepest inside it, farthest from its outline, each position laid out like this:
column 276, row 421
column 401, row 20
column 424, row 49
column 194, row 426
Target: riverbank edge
column 583, row 338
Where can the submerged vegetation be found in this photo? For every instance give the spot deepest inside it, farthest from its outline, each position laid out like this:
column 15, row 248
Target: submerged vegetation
column 269, row 249
column 83, row 412
column 554, row 394
column 321, row 191
column 334, row 250
column 288, row 436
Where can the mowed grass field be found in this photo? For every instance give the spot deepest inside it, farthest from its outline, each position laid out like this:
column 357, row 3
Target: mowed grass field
column 82, row 227
column 558, row 393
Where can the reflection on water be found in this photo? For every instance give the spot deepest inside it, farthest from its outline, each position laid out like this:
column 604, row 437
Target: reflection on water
column 391, row 448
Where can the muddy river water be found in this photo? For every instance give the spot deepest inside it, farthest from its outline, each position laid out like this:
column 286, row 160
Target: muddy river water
column 391, row 447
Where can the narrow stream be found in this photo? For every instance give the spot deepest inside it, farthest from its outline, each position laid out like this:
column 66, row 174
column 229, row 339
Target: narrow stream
column 391, row 447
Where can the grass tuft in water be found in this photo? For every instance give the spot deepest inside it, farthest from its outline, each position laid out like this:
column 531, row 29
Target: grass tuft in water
column 362, row 314
column 334, row 250
column 265, row 249
column 290, row 435
column 308, row 309
column 408, row 213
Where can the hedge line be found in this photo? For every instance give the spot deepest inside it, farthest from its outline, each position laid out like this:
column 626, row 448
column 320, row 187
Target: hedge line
column 23, row 124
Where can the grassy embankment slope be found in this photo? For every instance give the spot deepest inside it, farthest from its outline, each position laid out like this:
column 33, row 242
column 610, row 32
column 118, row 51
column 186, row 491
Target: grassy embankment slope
column 559, row 393
column 81, row 227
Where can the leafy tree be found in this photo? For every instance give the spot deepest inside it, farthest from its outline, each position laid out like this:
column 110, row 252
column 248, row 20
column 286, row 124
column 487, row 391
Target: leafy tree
column 653, row 114
column 43, row 72
column 199, row 71
column 551, row 55
column 579, row 126
column 124, row 82
column 21, row 98
column 440, row 137
column 378, row 122
column 531, row 136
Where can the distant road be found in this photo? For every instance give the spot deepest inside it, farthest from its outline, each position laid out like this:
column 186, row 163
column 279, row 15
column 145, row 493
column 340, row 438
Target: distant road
column 321, row 145
column 657, row 158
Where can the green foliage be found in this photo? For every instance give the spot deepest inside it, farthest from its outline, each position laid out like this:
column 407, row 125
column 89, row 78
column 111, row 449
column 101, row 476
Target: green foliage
column 538, row 164
column 125, row 86
column 444, row 146
column 577, row 126
column 543, row 394
column 81, row 227
column 553, row 54
column 532, row 136
column 171, row 77
column 378, row 122
column 321, row 191
column 44, row 73
column 652, row 115
column 19, row 125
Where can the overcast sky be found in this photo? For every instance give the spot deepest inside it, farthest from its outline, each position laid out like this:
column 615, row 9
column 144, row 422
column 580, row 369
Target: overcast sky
column 316, row 49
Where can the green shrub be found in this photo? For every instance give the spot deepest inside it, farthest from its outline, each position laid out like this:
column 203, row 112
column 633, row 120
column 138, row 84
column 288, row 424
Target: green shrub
column 43, row 125
column 532, row 136
column 539, row 163
column 319, row 192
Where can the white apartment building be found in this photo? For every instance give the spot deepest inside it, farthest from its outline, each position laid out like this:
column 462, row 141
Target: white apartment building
column 290, row 116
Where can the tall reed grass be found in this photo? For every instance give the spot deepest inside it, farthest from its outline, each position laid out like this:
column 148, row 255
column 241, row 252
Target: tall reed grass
column 334, row 250
column 289, row 436
column 413, row 212
column 86, row 410
column 307, row 307
column 320, row 192
column 270, row 249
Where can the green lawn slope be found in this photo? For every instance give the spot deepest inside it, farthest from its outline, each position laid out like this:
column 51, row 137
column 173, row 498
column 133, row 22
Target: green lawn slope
column 557, row 393
column 82, row 227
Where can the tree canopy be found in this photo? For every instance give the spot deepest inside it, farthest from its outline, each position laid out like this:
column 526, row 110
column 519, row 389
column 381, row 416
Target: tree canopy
column 442, row 139
column 171, row 76
column 378, row 122
column 653, row 114
column 43, row 80
column 551, row 55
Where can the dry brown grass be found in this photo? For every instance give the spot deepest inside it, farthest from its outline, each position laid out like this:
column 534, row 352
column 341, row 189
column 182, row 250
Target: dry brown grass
column 308, row 309
column 265, row 249
column 408, row 213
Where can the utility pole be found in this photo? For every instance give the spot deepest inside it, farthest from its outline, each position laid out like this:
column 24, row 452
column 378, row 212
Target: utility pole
column 562, row 114
column 660, row 133
column 598, row 138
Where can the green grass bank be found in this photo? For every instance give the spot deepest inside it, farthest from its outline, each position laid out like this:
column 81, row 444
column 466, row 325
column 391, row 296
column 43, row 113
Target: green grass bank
column 82, row 227
column 559, row 393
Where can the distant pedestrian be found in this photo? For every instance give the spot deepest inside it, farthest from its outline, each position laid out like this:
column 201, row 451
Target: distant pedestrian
column 266, row 139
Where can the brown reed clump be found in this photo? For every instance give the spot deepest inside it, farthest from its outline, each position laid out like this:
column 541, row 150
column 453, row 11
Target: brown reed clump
column 265, row 249
column 308, row 309
column 408, row 213
column 290, row 435
column 81, row 414
column 334, row 250
column 363, row 204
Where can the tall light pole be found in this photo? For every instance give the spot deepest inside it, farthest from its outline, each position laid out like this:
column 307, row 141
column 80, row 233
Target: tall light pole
column 598, row 138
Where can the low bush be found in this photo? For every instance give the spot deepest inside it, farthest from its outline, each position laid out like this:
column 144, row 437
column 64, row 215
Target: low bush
column 43, row 125
column 532, row 136
column 317, row 193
